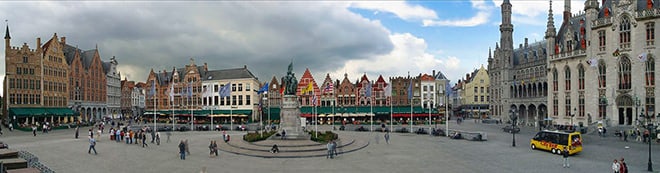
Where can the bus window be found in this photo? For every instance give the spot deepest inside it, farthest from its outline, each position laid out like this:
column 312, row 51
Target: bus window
column 576, row 141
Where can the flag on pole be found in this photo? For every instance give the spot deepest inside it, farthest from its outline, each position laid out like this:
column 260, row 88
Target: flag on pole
column 152, row 92
column 190, row 91
column 328, row 87
column 307, row 89
column 448, row 90
column 388, row 90
column 314, row 100
column 368, row 90
column 593, row 62
column 171, row 92
column 410, row 90
column 263, row 89
column 616, row 53
column 642, row 57
column 225, row 91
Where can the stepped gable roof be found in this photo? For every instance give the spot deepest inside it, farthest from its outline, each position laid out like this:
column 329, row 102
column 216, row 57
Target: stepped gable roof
column 534, row 52
column 235, row 73
column 426, row 77
column 381, row 79
column 363, row 78
column 307, row 75
column 163, row 78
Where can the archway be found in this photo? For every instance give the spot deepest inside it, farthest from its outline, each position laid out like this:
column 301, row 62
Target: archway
column 522, row 114
column 625, row 109
column 531, row 115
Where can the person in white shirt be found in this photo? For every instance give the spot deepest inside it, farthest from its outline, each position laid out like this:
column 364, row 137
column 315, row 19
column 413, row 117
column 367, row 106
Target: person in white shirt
column 616, row 166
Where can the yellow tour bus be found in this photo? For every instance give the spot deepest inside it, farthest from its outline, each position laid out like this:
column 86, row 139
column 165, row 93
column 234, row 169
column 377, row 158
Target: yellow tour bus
column 555, row 141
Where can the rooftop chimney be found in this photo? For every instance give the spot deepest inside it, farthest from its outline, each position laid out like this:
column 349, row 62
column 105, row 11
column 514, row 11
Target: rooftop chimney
column 63, row 40
column 525, row 42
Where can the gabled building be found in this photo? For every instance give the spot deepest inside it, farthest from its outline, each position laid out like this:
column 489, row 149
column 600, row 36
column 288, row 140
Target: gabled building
column 380, row 98
column 307, row 98
column 346, row 93
column 328, row 92
column 36, row 82
column 113, row 88
column 364, row 86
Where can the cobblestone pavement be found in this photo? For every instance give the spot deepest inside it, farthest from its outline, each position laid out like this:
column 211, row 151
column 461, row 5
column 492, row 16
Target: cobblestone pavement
column 406, row 153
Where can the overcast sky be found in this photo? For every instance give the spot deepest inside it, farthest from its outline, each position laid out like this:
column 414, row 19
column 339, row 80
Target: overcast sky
column 388, row 38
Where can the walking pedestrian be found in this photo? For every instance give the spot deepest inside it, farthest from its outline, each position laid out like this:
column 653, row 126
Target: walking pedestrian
column 213, row 147
column 638, row 135
column 168, row 136
column 77, row 130
column 158, row 138
column 283, row 134
column 34, row 130
column 153, row 135
column 616, row 167
column 187, row 146
column 624, row 167
column 92, row 145
column 334, row 147
column 11, row 127
column 387, row 137
column 625, row 135
column 329, row 146
column 144, row 140
column 564, row 153
column 182, row 150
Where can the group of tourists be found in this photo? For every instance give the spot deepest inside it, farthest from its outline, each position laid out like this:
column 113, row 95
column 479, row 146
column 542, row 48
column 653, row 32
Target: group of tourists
column 638, row 135
column 332, row 149
column 619, row 166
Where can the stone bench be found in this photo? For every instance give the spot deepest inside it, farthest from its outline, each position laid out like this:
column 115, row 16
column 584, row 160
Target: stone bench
column 15, row 163
column 7, row 154
column 24, row 170
column 470, row 135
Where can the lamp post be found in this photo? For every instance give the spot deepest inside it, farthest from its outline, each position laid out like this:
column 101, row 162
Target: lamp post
column 514, row 119
column 649, row 126
column 573, row 115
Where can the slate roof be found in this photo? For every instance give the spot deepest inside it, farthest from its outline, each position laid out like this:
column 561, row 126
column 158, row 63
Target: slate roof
column 235, row 73
column 70, row 53
column 533, row 52
column 106, row 67
column 440, row 76
column 87, row 58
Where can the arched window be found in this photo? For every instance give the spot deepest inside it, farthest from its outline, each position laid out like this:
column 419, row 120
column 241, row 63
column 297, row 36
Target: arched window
column 624, row 73
column 650, row 71
column 567, row 74
column 602, row 72
column 555, row 78
column 624, row 32
column 580, row 77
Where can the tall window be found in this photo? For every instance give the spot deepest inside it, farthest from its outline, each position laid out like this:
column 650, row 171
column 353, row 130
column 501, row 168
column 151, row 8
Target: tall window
column 580, row 77
column 624, row 73
column 650, row 105
column 650, row 71
column 567, row 74
column 555, row 82
column 602, row 72
column 601, row 40
column 555, row 106
column 581, row 106
column 567, row 105
column 624, row 32
column 650, row 33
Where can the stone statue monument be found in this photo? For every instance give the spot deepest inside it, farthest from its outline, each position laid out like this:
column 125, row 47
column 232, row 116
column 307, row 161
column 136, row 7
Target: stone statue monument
column 290, row 82
column 290, row 111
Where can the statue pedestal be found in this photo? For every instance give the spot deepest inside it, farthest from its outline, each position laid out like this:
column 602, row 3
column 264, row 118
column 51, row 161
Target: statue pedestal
column 290, row 118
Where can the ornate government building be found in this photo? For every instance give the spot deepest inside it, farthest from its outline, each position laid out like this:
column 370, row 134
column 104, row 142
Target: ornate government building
column 600, row 66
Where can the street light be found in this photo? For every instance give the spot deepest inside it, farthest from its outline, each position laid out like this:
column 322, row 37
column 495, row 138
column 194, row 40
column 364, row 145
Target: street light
column 573, row 115
column 514, row 119
column 649, row 126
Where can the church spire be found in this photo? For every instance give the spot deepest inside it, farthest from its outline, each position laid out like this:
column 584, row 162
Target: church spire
column 489, row 53
column 567, row 10
column 506, row 28
column 550, row 30
column 7, row 31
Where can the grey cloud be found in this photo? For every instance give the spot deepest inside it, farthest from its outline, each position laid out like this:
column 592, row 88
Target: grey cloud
column 160, row 35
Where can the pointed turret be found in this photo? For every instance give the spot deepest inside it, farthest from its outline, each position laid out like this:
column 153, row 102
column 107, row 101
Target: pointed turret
column 567, row 10
column 550, row 28
column 7, row 33
column 506, row 28
column 591, row 4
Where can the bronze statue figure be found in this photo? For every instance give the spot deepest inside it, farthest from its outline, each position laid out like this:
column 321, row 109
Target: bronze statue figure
column 289, row 81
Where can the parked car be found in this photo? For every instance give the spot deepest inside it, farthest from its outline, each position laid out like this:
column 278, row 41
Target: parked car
column 511, row 129
column 220, row 128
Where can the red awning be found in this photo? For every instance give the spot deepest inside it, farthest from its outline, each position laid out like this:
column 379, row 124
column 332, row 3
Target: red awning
column 307, row 115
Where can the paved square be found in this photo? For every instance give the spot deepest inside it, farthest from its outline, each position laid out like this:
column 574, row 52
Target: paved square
column 406, row 153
